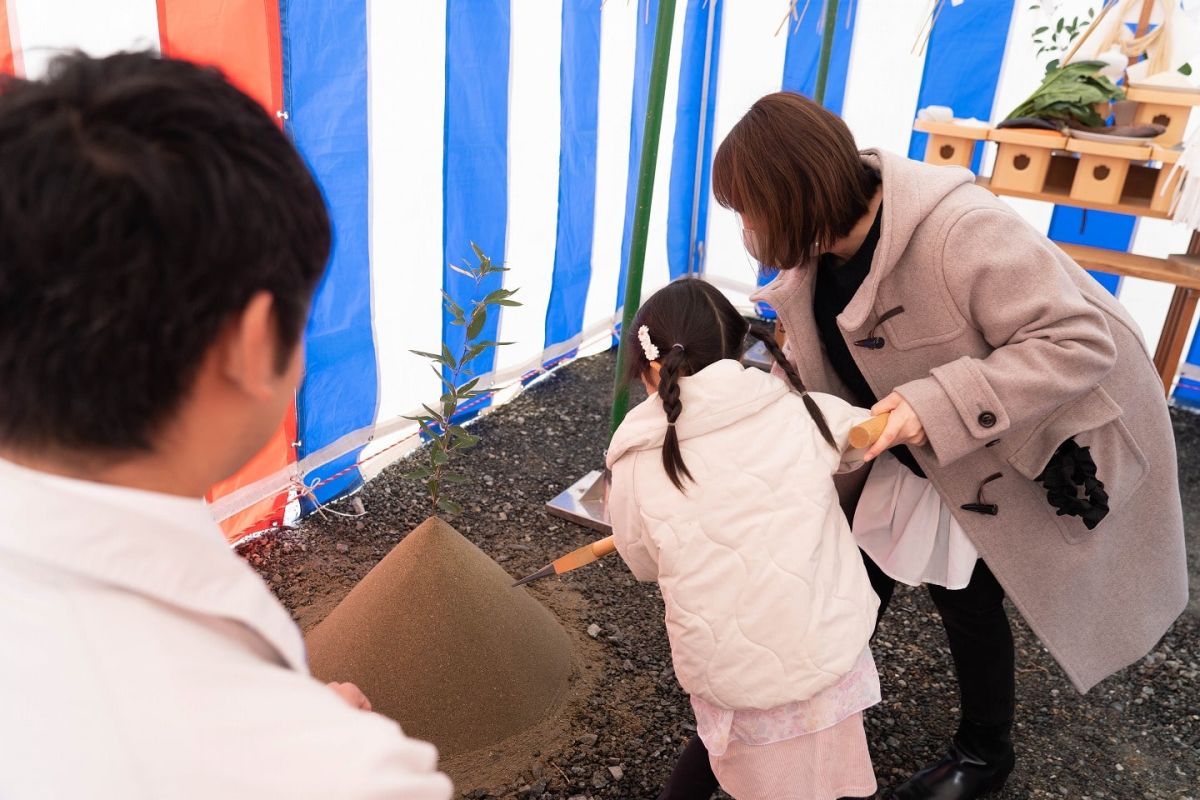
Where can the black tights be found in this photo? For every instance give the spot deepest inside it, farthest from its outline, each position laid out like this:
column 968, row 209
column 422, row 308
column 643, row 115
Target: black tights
column 982, row 646
column 980, row 640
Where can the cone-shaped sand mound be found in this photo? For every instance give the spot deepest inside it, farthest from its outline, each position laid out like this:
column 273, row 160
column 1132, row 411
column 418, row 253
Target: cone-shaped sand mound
column 438, row 640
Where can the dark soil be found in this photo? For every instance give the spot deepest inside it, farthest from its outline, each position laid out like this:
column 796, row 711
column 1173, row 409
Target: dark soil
column 1137, row 735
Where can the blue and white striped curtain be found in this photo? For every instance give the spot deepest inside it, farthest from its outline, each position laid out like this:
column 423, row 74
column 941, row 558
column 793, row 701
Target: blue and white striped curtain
column 517, row 124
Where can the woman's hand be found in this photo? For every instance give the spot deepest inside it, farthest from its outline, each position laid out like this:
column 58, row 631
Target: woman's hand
column 352, row 695
column 903, row 426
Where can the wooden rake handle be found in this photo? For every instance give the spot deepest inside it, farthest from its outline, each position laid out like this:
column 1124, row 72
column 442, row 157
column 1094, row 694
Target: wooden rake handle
column 861, row 436
column 584, row 555
column 867, row 433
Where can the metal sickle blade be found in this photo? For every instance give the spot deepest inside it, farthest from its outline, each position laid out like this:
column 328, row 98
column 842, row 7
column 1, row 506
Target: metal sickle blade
column 544, row 572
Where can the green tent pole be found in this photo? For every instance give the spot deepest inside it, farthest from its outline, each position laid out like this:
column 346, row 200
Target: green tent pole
column 645, row 192
column 831, row 12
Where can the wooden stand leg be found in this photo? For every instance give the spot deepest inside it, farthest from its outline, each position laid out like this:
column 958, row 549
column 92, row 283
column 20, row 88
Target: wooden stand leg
column 1174, row 334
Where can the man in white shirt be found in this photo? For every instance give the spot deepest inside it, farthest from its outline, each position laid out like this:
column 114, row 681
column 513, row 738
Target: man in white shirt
column 160, row 241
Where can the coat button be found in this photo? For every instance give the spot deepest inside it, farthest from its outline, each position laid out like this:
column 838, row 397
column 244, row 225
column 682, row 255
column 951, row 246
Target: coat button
column 987, row 419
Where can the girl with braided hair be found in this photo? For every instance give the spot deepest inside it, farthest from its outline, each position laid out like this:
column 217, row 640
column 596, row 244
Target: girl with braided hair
column 723, row 493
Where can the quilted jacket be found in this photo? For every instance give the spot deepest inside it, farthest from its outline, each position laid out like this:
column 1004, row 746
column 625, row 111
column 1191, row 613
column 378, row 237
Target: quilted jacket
column 767, row 600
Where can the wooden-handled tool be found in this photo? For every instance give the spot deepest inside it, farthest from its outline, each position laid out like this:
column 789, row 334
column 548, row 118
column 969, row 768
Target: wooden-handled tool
column 866, row 434
column 861, row 436
column 577, row 558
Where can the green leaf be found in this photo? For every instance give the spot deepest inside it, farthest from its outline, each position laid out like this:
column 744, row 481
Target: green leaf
column 1091, row 13
column 498, row 295
column 467, row 387
column 449, row 506
column 419, row 474
column 453, row 308
column 478, row 252
column 478, row 348
column 462, row 271
column 430, row 356
column 465, row 442
column 439, row 457
column 1061, row 23
column 454, row 480
column 478, row 319
column 1041, row 30
column 438, row 418
column 473, row 351
column 442, row 377
column 1186, row 69
column 432, row 486
column 511, row 303
column 448, row 358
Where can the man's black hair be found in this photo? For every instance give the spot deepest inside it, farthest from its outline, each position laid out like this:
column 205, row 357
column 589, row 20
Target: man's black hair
column 143, row 202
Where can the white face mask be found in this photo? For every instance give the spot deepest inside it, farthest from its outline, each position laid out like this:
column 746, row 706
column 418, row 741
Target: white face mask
column 751, row 241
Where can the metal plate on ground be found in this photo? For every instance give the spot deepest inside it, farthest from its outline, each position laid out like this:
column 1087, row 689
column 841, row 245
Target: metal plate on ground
column 757, row 356
column 584, row 503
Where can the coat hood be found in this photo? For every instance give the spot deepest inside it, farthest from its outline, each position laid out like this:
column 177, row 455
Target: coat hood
column 911, row 190
column 716, row 396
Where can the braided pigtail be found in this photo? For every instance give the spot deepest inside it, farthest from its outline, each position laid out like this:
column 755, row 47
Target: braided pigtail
column 674, row 366
column 794, row 379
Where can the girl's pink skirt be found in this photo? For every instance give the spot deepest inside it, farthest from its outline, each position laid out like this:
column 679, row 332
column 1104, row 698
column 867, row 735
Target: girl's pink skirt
column 824, row 765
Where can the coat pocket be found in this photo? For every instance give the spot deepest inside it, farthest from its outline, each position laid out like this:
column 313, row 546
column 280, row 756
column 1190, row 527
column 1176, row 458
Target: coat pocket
column 1094, row 421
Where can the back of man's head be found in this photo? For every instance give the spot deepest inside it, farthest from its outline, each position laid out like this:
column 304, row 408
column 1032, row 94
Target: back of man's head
column 143, row 203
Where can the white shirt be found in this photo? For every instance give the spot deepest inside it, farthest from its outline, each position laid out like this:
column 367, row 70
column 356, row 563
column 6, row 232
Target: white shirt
column 908, row 531
column 144, row 659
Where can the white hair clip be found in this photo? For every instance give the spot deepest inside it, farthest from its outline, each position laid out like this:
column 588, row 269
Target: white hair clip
column 647, row 346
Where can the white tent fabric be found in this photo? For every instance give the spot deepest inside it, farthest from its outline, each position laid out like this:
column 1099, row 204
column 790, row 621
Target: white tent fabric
column 416, row 65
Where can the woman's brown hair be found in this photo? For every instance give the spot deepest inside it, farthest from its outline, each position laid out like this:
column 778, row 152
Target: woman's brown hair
column 693, row 326
column 792, row 168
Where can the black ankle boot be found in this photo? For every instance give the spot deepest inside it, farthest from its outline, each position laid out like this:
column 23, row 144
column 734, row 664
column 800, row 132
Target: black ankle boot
column 978, row 765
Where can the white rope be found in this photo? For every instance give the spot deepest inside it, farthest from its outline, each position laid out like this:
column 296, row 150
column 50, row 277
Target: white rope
column 299, row 489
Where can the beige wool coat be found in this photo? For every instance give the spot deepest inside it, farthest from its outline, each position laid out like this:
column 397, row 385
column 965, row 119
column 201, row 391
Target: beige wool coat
column 1006, row 348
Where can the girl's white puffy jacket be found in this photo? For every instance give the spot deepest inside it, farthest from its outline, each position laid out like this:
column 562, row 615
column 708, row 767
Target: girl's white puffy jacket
column 766, row 595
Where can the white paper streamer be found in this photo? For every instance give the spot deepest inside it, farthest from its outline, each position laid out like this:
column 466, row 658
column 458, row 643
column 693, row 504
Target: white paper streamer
column 1186, row 210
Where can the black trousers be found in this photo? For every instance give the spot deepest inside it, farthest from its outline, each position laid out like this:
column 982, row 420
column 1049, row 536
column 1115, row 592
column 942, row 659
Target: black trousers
column 981, row 644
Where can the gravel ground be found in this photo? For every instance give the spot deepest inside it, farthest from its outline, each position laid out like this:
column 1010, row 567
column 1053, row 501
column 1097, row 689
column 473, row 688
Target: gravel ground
column 1137, row 735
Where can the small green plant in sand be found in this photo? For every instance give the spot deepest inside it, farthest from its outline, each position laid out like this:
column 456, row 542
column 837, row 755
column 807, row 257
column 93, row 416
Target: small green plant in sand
column 458, row 383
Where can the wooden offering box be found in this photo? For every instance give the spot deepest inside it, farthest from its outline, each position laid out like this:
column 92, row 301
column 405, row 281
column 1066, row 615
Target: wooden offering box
column 1102, row 170
column 951, row 143
column 1164, row 107
column 1166, row 184
column 1023, row 160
